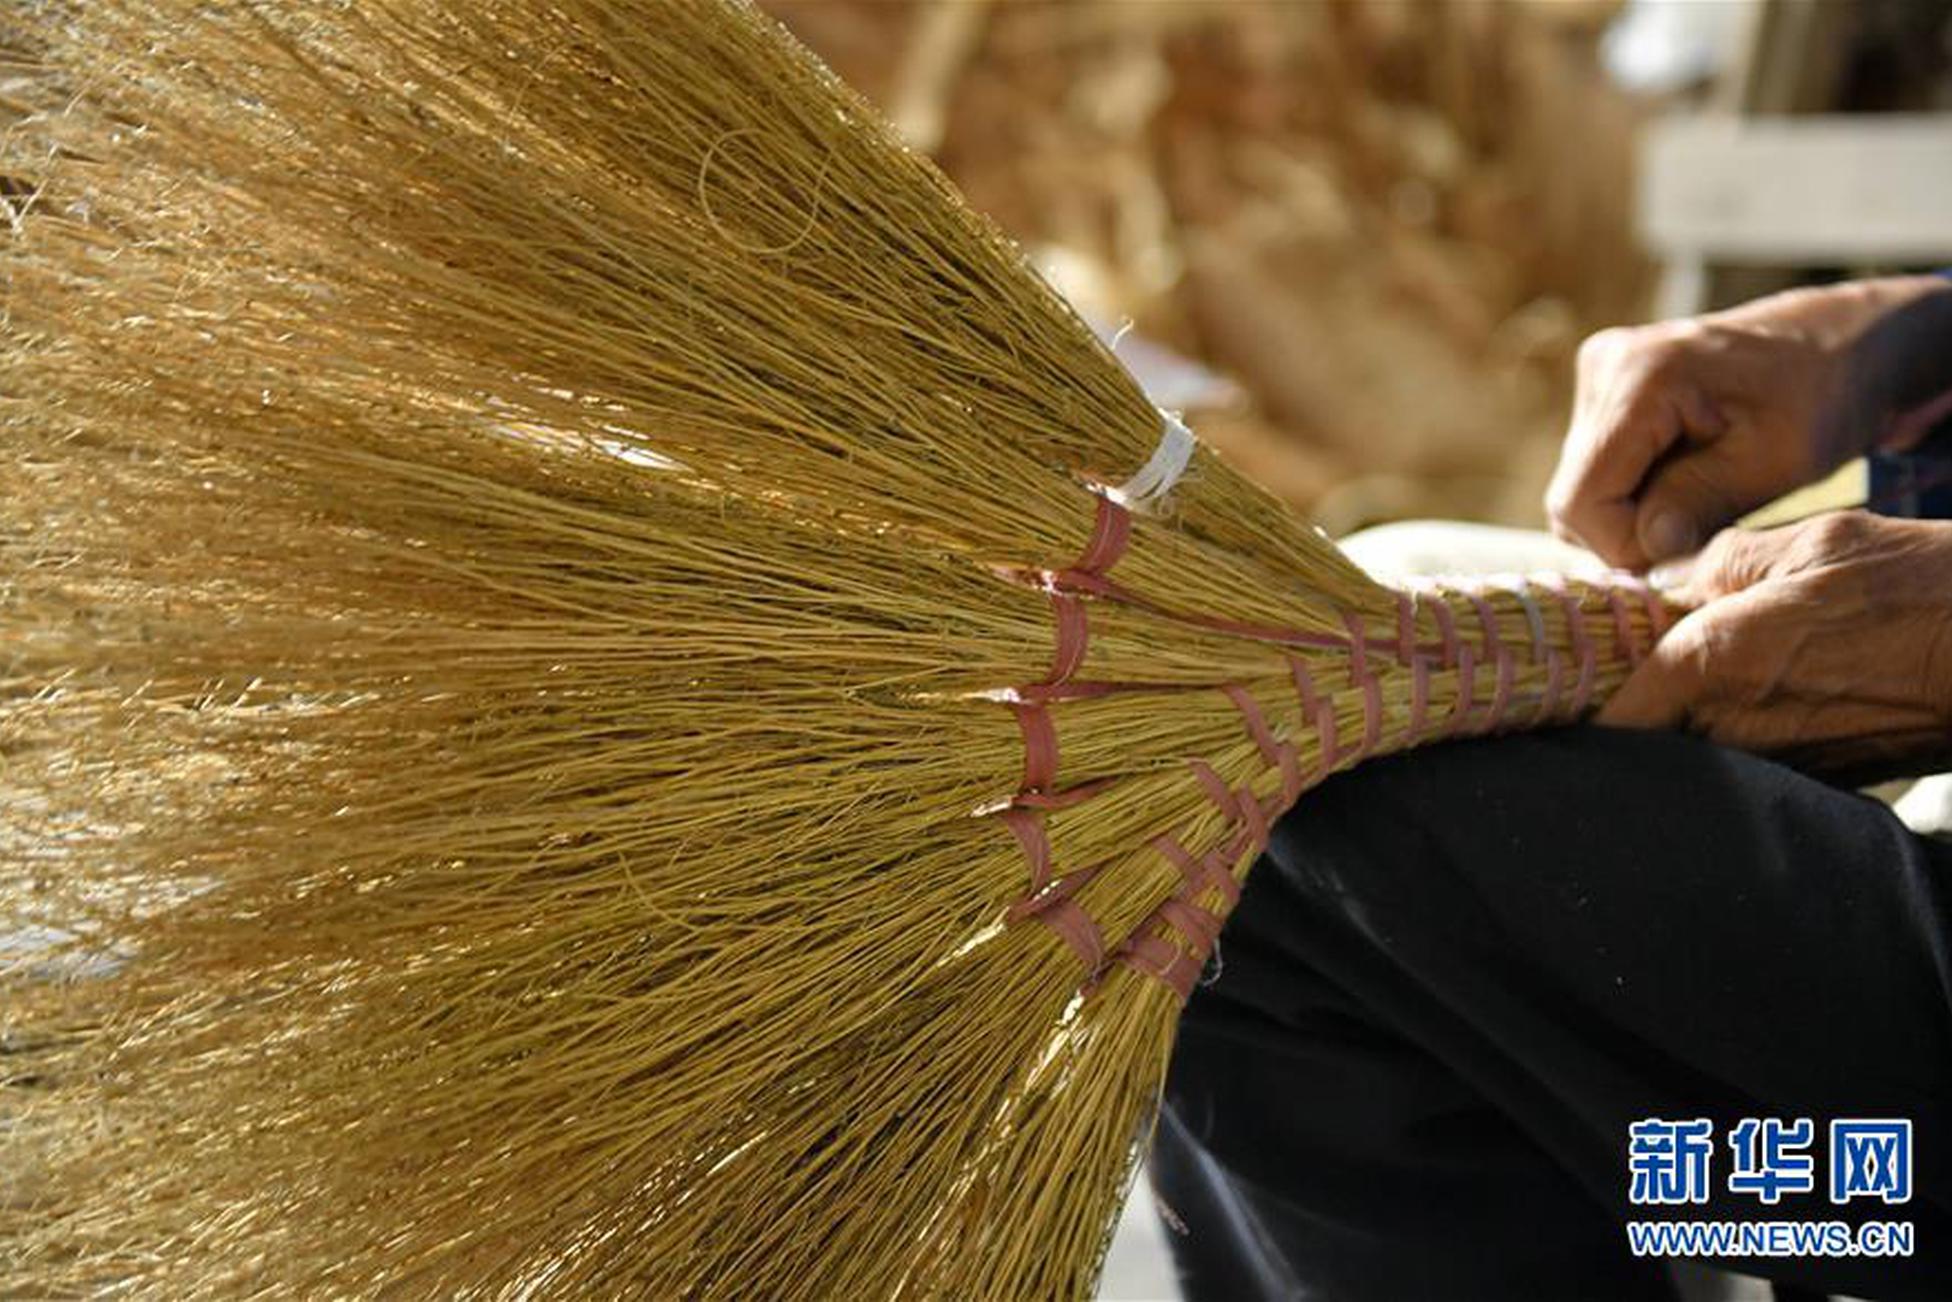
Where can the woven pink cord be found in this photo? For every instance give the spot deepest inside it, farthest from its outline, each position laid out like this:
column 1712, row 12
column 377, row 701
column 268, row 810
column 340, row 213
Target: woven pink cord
column 1162, row 960
column 1216, row 789
column 1111, row 535
column 1406, row 627
column 1191, row 921
column 1467, row 677
column 1657, row 617
column 1419, row 700
column 1039, row 745
column 1073, row 636
column 1372, row 692
column 1446, row 629
column 1625, row 645
column 1495, row 653
column 1028, row 828
column 1554, row 682
column 1076, row 929
column 1321, row 713
column 1175, row 966
column 1200, row 874
column 1254, row 820
column 1061, row 889
column 1274, row 752
column 1583, row 652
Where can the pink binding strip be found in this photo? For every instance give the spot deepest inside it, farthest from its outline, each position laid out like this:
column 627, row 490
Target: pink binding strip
column 1317, row 711
column 1582, row 650
column 1035, row 843
column 1073, row 637
column 1358, row 651
column 1073, row 580
column 1220, row 873
column 1159, row 958
column 1199, row 874
column 1190, row 869
column 1061, row 889
column 1216, row 790
column 1419, row 700
column 1111, row 534
column 1625, row 645
column 1467, row 677
column 1039, row 745
column 1152, row 954
column 1275, row 753
column 1554, row 681
column 1495, row 654
column 1250, row 712
column 1406, row 627
column 1330, row 738
column 1488, row 621
column 1657, row 620
column 1253, row 819
column 1076, row 929
column 1191, row 921
column 1501, row 695
column 1372, row 691
column 1446, row 630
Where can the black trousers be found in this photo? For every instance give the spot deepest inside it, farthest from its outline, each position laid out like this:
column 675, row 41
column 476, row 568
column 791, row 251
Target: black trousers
column 1457, row 977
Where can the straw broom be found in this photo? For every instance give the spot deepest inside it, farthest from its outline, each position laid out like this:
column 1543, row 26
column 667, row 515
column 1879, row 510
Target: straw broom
column 603, row 693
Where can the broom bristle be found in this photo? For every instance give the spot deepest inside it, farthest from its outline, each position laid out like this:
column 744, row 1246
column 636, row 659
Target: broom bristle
column 576, row 717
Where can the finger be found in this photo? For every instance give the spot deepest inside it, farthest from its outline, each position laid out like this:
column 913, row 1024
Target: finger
column 1664, row 689
column 1734, row 561
column 1682, row 504
column 1591, row 497
column 1634, row 403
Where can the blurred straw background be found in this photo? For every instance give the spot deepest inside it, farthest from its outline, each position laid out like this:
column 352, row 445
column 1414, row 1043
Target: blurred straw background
column 1386, row 225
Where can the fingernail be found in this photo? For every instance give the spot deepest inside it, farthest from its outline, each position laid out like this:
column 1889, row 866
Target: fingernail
column 1668, row 534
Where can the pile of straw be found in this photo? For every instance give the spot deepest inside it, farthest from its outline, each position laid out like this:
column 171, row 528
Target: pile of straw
column 1389, row 224
column 594, row 696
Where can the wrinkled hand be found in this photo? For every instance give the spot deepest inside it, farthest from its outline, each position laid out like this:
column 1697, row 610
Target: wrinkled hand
column 1827, row 643
column 1681, row 426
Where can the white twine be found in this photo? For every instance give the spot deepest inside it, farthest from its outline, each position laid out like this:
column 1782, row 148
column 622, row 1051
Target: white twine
column 1162, row 469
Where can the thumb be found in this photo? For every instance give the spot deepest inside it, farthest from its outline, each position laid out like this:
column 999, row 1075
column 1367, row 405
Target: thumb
column 1684, row 502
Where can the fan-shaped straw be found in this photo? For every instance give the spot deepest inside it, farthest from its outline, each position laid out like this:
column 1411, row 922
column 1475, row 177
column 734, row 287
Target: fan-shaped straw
column 603, row 692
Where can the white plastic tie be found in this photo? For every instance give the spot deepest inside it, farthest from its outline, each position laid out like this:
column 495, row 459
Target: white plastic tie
column 1162, row 470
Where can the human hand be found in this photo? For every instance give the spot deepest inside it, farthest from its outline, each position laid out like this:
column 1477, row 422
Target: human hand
column 1827, row 643
column 1681, row 426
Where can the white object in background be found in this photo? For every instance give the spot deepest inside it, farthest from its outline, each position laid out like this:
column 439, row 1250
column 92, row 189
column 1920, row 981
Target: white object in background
column 1657, row 47
column 1418, row 548
column 1841, row 189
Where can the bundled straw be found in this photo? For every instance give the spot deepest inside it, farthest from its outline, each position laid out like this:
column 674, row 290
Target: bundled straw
column 602, row 692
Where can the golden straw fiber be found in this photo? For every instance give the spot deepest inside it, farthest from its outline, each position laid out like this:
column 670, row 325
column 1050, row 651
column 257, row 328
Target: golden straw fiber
column 593, row 699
